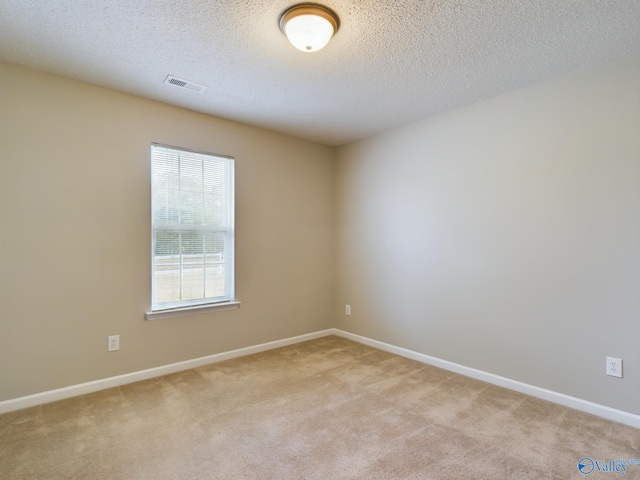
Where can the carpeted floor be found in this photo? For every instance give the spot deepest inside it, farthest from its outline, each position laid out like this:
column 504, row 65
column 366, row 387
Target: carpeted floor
column 325, row 409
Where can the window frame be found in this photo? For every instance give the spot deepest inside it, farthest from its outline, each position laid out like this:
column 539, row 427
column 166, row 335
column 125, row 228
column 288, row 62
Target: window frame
column 159, row 310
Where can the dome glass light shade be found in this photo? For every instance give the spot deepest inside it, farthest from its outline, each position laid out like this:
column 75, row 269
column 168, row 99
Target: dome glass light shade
column 308, row 32
column 308, row 27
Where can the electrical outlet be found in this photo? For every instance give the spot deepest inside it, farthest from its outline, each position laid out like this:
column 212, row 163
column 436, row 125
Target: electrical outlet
column 614, row 367
column 114, row 343
column 347, row 309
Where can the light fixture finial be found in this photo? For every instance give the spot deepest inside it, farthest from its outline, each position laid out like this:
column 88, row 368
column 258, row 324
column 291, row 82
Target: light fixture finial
column 309, row 26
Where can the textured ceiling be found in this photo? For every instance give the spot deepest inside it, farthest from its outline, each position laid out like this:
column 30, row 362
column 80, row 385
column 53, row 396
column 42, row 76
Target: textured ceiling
column 389, row 64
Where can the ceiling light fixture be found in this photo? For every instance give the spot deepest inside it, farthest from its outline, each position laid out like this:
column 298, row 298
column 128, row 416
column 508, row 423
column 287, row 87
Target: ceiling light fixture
column 309, row 26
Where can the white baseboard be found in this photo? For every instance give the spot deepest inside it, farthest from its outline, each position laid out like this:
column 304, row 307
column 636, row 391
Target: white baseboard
column 551, row 396
column 102, row 384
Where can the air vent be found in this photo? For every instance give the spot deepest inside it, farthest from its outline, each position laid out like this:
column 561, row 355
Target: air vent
column 182, row 83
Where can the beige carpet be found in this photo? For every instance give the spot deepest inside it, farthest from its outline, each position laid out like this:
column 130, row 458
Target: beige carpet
column 324, row 409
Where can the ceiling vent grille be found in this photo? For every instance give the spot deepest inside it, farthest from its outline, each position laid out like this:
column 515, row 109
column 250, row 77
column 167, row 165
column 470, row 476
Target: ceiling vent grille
column 182, row 83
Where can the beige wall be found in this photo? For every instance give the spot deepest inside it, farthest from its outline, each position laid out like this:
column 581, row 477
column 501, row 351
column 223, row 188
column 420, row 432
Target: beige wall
column 75, row 234
column 504, row 236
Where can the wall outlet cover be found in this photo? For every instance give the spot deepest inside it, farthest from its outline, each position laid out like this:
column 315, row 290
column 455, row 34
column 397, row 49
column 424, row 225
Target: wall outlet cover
column 614, row 367
column 113, row 343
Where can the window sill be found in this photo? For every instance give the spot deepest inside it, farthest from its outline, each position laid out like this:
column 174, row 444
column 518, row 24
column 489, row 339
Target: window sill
column 179, row 312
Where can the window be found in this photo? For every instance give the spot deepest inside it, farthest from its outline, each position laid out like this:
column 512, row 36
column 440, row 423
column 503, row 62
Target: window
column 192, row 209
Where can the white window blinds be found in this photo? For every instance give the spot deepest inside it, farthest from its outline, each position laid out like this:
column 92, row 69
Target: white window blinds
column 192, row 228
